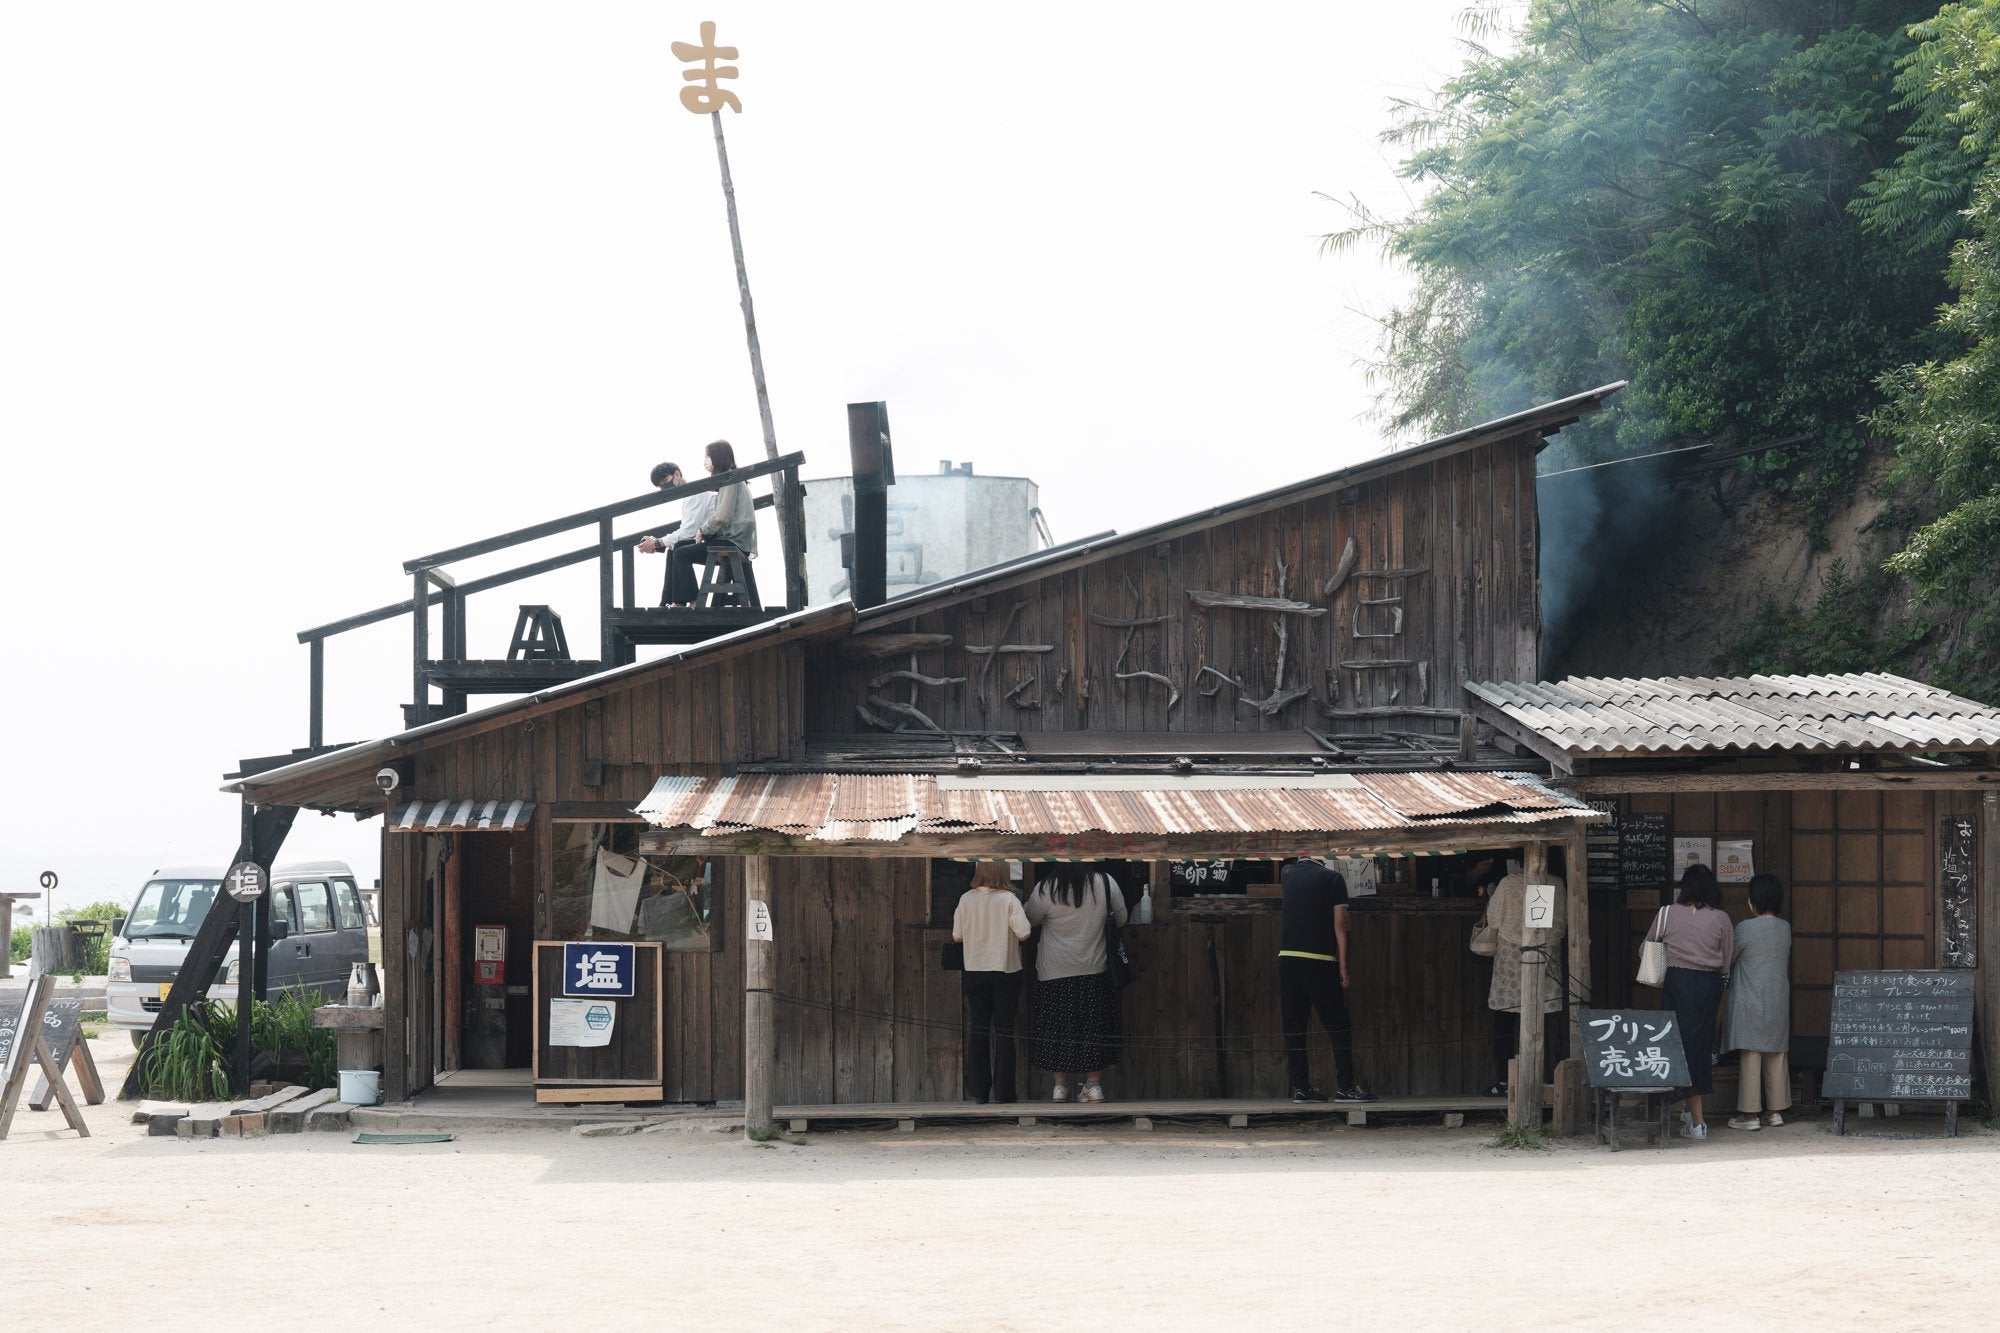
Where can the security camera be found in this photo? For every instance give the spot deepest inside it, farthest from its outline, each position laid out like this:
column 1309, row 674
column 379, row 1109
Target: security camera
column 388, row 779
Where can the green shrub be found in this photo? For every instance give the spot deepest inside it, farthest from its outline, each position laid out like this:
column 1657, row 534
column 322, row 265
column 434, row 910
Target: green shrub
column 21, row 943
column 189, row 1062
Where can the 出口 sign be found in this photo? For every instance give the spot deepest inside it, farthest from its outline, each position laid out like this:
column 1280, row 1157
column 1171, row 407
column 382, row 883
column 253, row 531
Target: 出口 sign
column 1634, row 1050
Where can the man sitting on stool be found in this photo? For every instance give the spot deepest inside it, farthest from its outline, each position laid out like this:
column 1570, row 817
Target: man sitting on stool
column 1312, row 975
column 726, row 517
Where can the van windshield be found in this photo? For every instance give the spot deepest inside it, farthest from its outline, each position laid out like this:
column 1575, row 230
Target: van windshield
column 171, row 908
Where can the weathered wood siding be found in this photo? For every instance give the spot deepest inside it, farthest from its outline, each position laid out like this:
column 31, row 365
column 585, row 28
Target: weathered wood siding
column 867, row 1014
column 1468, row 521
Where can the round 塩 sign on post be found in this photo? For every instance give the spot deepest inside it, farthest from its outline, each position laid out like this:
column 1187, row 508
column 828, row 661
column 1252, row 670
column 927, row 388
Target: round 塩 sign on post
column 246, row 881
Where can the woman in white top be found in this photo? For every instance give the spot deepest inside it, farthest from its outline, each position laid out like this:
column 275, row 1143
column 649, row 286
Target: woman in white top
column 990, row 924
column 1076, row 1007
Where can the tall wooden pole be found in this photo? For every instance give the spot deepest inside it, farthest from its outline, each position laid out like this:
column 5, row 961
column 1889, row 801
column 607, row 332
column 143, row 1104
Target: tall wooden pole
column 1527, row 1104
column 791, row 513
column 1576, row 860
column 760, row 1032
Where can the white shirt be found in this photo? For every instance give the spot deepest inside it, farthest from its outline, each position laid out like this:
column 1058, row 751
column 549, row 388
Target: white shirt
column 991, row 925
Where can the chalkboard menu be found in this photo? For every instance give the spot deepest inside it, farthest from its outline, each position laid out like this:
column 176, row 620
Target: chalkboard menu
column 1900, row 1036
column 1601, row 846
column 1643, row 848
column 61, row 1025
column 1633, row 1050
column 1957, row 867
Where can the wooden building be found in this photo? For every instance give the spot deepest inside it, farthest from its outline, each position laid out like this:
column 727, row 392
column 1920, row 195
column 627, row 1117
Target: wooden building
column 1275, row 676
column 1875, row 800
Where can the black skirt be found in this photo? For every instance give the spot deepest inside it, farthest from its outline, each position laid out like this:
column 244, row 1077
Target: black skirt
column 1696, row 998
column 1076, row 1025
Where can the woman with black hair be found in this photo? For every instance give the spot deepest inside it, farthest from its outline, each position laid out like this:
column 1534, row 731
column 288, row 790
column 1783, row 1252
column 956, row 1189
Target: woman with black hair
column 730, row 521
column 1700, row 945
column 1076, row 1030
column 1760, row 1010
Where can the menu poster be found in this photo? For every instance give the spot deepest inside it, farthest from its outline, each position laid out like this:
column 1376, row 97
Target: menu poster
column 1734, row 860
column 1692, row 852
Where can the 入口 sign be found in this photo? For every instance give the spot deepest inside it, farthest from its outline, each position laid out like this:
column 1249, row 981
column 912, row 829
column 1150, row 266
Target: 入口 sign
column 1538, row 907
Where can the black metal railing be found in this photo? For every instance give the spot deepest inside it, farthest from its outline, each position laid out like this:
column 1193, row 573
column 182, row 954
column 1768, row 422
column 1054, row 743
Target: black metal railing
column 432, row 586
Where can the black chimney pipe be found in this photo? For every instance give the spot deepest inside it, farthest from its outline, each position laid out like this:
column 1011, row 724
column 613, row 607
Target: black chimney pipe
column 874, row 474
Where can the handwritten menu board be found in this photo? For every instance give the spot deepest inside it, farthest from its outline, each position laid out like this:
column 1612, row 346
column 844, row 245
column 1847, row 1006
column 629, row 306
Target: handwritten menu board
column 1643, row 851
column 1958, row 867
column 61, row 1025
column 1601, row 846
column 1900, row 1036
column 1632, row 1050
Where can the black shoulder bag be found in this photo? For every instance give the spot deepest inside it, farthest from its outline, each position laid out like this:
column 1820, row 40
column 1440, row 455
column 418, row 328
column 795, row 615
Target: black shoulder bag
column 1117, row 964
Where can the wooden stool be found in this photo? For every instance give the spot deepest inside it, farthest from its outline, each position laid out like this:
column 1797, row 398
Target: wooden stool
column 538, row 636
column 726, row 574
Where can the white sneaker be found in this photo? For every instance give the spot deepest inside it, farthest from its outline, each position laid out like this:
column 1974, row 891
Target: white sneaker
column 1693, row 1131
column 1773, row 1120
column 1745, row 1122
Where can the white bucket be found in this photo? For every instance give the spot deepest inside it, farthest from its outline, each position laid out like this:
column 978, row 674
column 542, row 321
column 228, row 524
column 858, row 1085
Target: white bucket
column 360, row 1087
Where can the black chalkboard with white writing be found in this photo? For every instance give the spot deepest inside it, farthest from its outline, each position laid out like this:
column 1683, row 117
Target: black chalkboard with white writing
column 61, row 1026
column 1643, row 848
column 1632, row 1050
column 1958, row 868
column 1601, row 846
column 1900, row 1036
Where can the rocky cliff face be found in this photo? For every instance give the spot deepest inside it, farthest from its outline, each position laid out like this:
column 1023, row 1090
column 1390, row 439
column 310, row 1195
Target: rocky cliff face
column 1661, row 577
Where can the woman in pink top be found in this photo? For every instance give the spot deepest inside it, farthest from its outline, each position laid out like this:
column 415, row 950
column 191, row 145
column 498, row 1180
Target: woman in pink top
column 1700, row 944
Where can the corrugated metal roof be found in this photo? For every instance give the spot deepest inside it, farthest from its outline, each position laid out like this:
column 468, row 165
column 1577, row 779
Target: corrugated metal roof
column 461, row 816
column 879, row 807
column 1587, row 716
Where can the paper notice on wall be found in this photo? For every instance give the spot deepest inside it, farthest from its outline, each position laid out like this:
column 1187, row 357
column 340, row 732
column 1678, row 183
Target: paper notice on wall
column 1360, row 872
column 1693, row 852
column 1538, row 907
column 760, row 921
column 1734, row 861
column 581, row 1022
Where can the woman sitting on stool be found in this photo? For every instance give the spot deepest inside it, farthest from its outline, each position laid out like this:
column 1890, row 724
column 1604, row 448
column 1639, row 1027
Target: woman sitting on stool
column 731, row 522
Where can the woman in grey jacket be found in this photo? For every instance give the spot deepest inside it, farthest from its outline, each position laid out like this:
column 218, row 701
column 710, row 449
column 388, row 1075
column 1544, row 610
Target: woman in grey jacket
column 1076, row 1029
column 731, row 521
column 1759, row 1022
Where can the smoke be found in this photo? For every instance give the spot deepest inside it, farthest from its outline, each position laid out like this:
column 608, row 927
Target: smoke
column 1599, row 530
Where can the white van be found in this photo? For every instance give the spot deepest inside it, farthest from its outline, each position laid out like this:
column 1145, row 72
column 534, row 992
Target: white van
column 317, row 904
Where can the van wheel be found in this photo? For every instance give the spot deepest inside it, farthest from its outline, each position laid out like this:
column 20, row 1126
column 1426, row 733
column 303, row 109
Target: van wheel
column 138, row 1037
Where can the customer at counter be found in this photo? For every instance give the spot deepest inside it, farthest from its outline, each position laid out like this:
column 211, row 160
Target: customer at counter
column 1313, row 977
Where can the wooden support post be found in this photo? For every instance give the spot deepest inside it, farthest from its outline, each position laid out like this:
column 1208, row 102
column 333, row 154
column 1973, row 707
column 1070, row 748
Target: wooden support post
column 607, row 634
column 1568, row 1115
column 760, row 1033
column 452, row 1019
column 1987, row 987
column 1576, row 864
column 1526, row 1106
column 420, row 647
column 315, row 712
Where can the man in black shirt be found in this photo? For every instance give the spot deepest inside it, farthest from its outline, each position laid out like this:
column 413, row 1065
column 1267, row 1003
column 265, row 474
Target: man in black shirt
column 1312, row 975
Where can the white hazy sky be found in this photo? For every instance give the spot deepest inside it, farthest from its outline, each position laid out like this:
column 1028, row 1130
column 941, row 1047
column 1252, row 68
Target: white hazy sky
column 291, row 293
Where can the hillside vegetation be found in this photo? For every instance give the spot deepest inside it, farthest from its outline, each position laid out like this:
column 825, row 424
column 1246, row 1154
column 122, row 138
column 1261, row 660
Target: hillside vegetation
column 1781, row 223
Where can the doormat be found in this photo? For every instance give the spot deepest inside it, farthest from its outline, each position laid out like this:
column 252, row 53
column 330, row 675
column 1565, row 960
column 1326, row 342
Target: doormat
column 404, row 1138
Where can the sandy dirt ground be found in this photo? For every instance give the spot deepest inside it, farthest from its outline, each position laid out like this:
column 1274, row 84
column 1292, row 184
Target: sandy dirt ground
column 1000, row 1228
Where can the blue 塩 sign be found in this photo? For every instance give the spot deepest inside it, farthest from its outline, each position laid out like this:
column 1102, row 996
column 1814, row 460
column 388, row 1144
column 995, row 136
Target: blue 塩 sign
column 603, row 970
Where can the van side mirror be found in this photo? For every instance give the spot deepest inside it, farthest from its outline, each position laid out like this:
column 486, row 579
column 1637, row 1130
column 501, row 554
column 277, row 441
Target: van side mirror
column 280, row 929
column 118, row 926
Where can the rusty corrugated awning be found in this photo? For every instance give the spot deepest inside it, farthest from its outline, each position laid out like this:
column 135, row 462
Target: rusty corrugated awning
column 876, row 808
column 461, row 816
